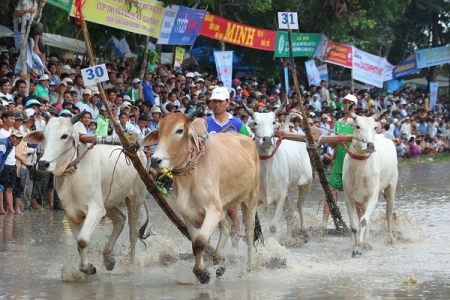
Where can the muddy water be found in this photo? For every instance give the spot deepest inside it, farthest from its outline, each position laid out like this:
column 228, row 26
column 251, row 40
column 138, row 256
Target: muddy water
column 34, row 246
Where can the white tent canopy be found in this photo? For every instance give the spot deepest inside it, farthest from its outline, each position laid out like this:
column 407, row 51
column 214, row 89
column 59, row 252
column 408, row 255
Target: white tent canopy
column 52, row 40
column 349, row 84
column 65, row 43
column 442, row 80
column 6, row 32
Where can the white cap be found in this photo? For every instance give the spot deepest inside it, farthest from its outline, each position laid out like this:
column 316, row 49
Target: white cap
column 220, row 93
column 67, row 80
column 136, row 80
column 190, row 74
column 87, row 92
column 125, row 104
column 44, row 77
column 238, row 88
column 351, row 98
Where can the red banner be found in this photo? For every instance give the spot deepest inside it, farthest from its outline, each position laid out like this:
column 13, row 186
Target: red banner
column 236, row 33
column 339, row 54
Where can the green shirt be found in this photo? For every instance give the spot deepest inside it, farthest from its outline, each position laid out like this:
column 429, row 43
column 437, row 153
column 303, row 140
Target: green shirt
column 41, row 91
column 336, row 171
column 102, row 126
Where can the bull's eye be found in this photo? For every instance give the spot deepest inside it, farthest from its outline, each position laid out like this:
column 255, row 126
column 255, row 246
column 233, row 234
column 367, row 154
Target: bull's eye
column 274, row 123
column 357, row 127
column 254, row 123
column 179, row 131
column 64, row 136
column 376, row 127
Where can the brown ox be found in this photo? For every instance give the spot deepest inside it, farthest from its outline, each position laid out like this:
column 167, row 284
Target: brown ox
column 215, row 173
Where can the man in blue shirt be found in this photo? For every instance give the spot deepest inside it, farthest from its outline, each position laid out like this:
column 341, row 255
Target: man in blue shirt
column 221, row 119
column 6, row 176
column 147, row 87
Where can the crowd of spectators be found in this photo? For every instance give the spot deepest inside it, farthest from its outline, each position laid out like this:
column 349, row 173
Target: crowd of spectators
column 406, row 117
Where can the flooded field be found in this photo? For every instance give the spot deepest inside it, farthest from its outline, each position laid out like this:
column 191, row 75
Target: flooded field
column 34, row 247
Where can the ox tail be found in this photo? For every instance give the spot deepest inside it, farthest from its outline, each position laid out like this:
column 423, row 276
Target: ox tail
column 147, row 229
column 258, row 235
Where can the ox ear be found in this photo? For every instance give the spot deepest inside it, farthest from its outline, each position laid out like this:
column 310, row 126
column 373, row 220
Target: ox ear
column 35, row 137
column 151, row 138
column 251, row 123
column 194, row 136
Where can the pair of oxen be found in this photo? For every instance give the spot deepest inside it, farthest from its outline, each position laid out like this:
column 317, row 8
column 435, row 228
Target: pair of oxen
column 213, row 173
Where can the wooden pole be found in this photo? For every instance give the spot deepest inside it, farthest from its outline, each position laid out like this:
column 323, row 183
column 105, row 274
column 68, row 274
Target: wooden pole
column 334, row 209
column 131, row 151
column 24, row 32
column 327, row 139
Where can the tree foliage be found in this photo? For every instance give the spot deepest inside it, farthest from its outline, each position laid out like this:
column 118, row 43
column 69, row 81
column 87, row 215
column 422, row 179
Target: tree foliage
column 391, row 28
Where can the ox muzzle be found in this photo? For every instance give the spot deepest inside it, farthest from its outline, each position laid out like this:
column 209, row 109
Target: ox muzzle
column 43, row 165
column 370, row 147
column 266, row 142
column 155, row 162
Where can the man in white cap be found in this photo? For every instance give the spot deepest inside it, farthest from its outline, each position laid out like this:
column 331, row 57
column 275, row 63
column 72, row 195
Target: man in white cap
column 340, row 127
column 83, row 104
column 220, row 120
column 220, row 99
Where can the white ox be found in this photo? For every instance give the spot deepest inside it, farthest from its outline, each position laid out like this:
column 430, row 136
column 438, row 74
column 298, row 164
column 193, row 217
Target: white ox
column 101, row 181
column 282, row 169
column 370, row 166
column 210, row 178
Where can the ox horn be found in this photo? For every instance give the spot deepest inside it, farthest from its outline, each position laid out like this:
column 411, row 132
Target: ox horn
column 164, row 111
column 78, row 117
column 45, row 114
column 376, row 116
column 352, row 112
column 249, row 111
column 279, row 109
column 194, row 113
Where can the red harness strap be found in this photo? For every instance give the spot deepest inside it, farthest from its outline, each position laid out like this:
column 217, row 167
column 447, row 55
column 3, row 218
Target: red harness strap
column 277, row 145
column 352, row 155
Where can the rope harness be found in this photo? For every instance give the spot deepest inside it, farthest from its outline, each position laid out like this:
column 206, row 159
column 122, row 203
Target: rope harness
column 73, row 165
column 277, row 145
column 193, row 160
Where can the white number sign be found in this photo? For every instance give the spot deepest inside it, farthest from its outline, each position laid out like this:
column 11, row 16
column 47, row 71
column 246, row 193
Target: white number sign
column 95, row 74
column 285, row 18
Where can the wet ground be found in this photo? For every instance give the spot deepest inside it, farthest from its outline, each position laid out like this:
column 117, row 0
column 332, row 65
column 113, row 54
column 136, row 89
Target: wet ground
column 35, row 245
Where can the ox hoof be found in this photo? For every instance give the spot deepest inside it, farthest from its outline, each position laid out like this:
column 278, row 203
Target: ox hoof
column 109, row 264
column 303, row 234
column 356, row 254
column 220, row 271
column 108, row 260
column 202, row 275
column 89, row 270
column 273, row 229
column 367, row 246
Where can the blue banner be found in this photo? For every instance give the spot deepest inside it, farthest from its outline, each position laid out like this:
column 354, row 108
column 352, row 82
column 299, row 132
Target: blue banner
column 432, row 57
column 406, row 67
column 180, row 25
column 394, row 85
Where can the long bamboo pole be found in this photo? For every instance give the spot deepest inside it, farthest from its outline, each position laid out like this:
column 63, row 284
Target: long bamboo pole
column 131, row 151
column 334, row 209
